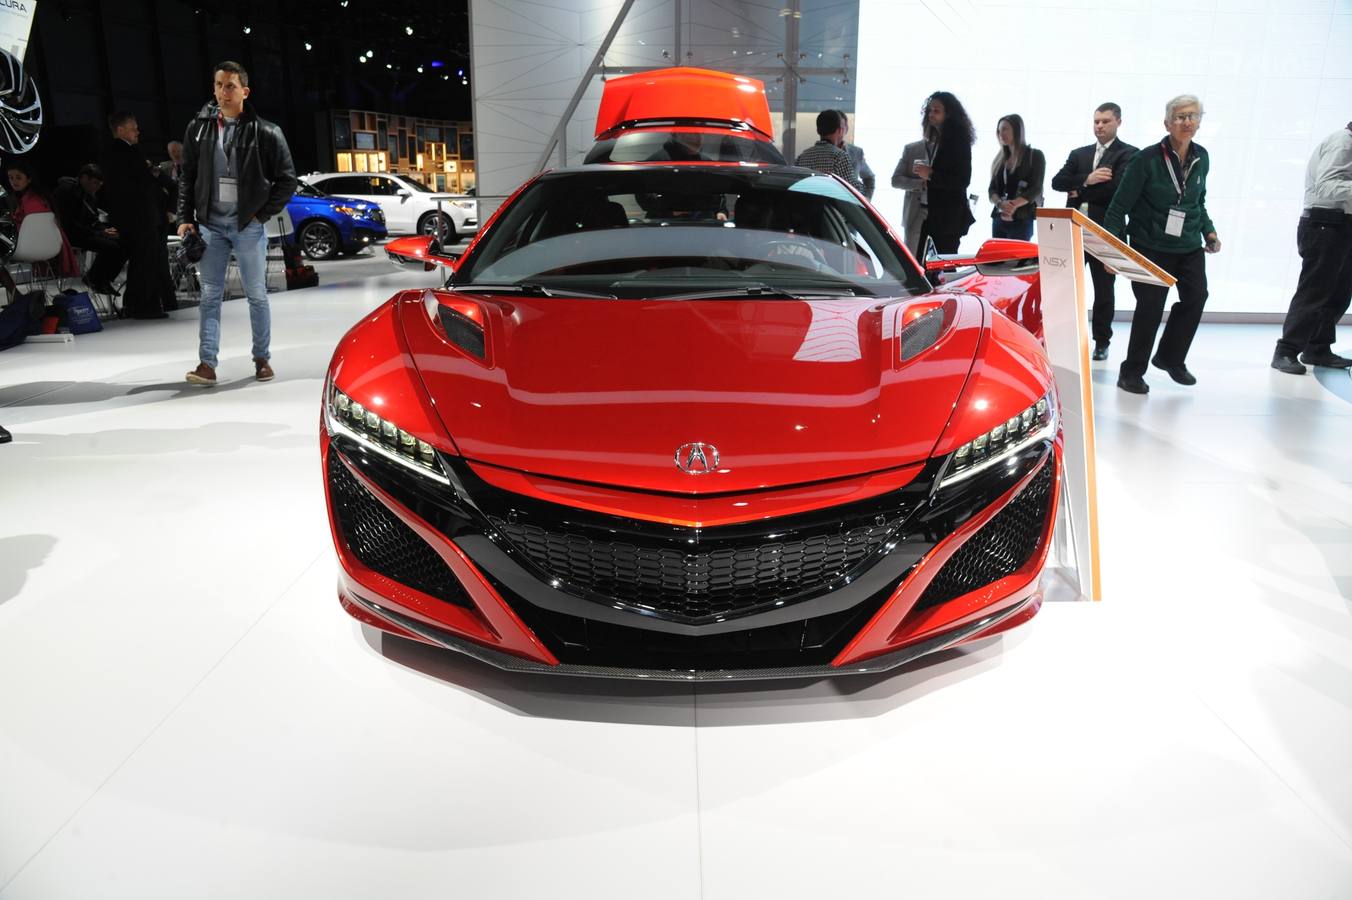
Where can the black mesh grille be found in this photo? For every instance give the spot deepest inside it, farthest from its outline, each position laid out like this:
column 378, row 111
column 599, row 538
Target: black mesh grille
column 999, row 548
column 921, row 334
column 700, row 583
column 385, row 544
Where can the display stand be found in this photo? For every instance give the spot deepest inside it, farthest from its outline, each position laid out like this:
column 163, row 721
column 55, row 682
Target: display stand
column 1064, row 236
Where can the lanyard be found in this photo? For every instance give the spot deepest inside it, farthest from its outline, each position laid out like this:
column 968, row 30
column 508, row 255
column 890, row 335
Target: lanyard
column 228, row 149
column 1169, row 165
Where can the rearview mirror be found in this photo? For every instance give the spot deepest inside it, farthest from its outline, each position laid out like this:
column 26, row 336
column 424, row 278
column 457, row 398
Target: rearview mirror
column 421, row 252
column 1006, row 256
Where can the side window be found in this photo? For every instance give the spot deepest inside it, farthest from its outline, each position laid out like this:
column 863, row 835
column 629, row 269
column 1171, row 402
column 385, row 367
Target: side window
column 342, row 186
column 384, row 187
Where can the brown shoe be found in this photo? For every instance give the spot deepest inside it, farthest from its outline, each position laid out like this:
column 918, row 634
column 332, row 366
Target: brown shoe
column 262, row 371
column 204, row 375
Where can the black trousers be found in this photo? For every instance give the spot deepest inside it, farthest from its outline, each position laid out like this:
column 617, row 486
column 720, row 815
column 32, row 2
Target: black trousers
column 108, row 260
column 1105, row 302
column 1324, row 289
column 1190, row 270
column 944, row 243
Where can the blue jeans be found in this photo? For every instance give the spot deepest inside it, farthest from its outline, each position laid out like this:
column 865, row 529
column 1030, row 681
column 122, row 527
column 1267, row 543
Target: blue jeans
column 250, row 247
column 1018, row 230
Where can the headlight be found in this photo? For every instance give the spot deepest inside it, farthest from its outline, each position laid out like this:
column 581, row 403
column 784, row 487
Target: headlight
column 348, row 211
column 466, row 205
column 1036, row 423
column 344, row 415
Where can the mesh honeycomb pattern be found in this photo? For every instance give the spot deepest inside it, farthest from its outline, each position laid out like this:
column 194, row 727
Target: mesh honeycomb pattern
column 383, row 543
column 921, row 334
column 999, row 548
column 693, row 585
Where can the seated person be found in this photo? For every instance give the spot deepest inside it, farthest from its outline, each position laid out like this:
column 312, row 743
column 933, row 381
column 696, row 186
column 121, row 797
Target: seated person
column 77, row 207
column 27, row 197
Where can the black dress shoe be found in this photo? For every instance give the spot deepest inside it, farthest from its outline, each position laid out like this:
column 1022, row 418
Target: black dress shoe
column 5, row 436
column 1100, row 352
column 1133, row 384
column 1326, row 358
column 1285, row 363
column 1178, row 373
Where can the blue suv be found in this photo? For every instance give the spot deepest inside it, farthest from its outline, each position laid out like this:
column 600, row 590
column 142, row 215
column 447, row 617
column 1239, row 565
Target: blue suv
column 326, row 225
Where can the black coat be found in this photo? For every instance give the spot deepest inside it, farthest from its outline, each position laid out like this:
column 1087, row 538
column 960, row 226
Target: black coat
column 267, row 177
column 948, row 210
column 130, row 193
column 1077, row 168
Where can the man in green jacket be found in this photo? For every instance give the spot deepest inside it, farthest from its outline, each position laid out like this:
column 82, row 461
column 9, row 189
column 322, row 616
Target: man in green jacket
column 1160, row 207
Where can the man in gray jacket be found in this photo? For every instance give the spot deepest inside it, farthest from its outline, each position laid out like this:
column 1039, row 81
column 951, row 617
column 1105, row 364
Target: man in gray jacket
column 913, row 208
column 237, row 174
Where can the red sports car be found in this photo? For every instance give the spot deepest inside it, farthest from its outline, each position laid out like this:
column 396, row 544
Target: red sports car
column 696, row 421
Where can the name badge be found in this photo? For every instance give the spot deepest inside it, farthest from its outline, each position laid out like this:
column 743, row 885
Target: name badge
column 1174, row 226
column 230, row 190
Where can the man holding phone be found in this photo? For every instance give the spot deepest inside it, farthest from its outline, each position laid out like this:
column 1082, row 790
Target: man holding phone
column 1089, row 178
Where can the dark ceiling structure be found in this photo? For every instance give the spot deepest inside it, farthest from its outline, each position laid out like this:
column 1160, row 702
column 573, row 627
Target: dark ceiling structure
column 304, row 57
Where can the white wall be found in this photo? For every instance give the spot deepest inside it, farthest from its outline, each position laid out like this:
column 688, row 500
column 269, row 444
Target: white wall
column 1275, row 77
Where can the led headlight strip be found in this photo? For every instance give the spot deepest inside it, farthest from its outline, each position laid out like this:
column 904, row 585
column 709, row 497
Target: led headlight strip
column 1036, row 423
column 344, row 415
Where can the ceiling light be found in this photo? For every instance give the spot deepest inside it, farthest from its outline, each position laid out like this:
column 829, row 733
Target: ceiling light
column 389, row 65
column 361, row 59
column 419, row 70
column 247, row 29
column 308, row 46
column 370, row 53
column 408, row 30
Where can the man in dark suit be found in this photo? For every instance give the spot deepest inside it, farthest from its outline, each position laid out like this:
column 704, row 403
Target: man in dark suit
column 132, row 195
column 1089, row 179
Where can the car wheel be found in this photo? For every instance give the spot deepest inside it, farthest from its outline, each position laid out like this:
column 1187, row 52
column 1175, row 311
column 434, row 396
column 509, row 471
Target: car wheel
column 428, row 225
column 319, row 240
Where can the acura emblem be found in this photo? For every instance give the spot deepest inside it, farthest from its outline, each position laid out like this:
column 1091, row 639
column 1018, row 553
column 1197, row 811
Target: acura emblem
column 697, row 459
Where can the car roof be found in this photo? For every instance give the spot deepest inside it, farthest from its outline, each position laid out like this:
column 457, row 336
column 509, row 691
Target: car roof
column 684, row 93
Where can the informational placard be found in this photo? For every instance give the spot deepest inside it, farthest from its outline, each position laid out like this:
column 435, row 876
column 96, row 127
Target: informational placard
column 16, row 22
column 1064, row 236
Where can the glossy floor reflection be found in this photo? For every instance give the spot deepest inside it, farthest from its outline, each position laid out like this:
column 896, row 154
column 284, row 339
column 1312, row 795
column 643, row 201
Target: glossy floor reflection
column 186, row 712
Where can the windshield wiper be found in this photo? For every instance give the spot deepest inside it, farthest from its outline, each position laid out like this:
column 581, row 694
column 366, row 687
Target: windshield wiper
column 534, row 289
column 762, row 290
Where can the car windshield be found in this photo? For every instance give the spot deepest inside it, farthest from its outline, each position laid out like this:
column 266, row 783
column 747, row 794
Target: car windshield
column 669, row 231
column 683, row 146
column 305, row 189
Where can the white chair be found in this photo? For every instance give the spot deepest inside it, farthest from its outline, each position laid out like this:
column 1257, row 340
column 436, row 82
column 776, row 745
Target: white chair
column 278, row 228
column 38, row 240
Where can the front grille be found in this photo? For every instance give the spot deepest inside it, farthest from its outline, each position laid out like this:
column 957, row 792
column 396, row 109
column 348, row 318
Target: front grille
column 384, row 543
column 727, row 579
column 999, row 548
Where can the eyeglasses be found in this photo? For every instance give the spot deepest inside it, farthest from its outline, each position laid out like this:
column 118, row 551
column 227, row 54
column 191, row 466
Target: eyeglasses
column 1188, row 117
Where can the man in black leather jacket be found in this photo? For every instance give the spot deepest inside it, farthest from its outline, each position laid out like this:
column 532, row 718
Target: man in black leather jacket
column 237, row 174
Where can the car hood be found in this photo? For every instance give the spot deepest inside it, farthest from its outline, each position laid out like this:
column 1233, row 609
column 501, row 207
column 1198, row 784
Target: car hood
column 606, row 391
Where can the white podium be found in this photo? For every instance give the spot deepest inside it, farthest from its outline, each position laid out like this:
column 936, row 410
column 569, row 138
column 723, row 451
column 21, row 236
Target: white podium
column 1064, row 236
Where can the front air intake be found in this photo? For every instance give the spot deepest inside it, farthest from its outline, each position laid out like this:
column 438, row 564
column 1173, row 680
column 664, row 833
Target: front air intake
column 999, row 548
column 383, row 543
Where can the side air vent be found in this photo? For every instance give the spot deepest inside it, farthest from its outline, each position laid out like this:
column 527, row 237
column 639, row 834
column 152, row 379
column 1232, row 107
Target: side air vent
column 921, row 333
column 463, row 331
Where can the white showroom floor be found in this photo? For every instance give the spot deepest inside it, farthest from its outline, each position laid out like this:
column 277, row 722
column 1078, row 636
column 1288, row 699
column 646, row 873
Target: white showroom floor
column 186, row 712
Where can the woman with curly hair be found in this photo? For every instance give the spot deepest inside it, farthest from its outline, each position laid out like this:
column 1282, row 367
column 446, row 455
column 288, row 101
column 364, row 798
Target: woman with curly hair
column 948, row 172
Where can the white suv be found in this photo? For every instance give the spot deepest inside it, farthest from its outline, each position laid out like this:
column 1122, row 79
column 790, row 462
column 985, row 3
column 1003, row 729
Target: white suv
column 410, row 207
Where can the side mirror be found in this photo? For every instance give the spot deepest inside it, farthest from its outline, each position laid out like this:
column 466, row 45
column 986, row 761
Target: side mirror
column 421, row 252
column 1012, row 257
column 403, row 194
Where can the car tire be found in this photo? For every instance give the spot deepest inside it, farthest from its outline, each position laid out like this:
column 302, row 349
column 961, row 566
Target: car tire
column 319, row 240
column 427, row 225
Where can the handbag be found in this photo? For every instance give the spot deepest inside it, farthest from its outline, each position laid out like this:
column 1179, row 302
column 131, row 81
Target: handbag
column 79, row 313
